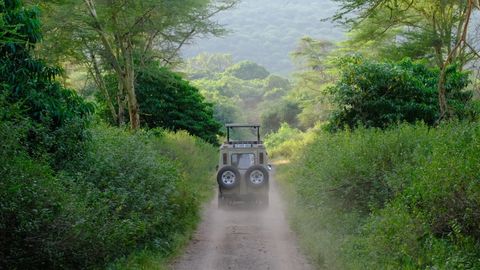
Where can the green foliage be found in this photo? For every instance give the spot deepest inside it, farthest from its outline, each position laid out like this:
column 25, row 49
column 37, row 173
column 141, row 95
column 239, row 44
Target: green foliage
column 284, row 133
column 58, row 116
column 285, row 142
column 77, row 36
column 226, row 109
column 30, row 200
column 207, row 65
column 252, row 95
column 274, row 82
column 395, row 29
column 107, row 196
column 284, row 111
column 128, row 192
column 404, row 198
column 168, row 101
column 376, row 94
column 196, row 178
column 247, row 70
column 315, row 73
column 121, row 37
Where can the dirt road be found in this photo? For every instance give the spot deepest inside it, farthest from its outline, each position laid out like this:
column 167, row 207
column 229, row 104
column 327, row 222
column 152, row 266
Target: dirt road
column 243, row 238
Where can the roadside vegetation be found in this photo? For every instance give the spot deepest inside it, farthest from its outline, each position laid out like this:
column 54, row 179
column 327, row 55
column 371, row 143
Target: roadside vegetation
column 79, row 191
column 403, row 198
column 387, row 177
column 123, row 193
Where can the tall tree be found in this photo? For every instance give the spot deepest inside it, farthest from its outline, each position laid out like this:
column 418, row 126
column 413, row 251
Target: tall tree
column 121, row 36
column 312, row 78
column 429, row 29
column 460, row 46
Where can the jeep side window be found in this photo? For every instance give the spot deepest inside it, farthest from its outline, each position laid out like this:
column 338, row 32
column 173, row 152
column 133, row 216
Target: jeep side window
column 243, row 161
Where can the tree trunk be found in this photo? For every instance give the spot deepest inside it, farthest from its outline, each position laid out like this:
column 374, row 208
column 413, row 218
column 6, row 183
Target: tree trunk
column 121, row 103
column 451, row 58
column 125, row 72
column 98, row 78
column 442, row 94
column 129, row 86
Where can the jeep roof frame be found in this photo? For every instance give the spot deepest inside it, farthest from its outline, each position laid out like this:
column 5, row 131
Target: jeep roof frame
column 255, row 126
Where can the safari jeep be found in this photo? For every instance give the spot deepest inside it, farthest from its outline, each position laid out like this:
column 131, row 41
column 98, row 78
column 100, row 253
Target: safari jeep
column 243, row 169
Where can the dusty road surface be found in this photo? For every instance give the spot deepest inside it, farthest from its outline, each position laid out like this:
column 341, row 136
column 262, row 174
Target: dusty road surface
column 243, row 238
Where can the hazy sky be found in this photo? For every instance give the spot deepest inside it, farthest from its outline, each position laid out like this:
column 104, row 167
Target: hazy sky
column 266, row 31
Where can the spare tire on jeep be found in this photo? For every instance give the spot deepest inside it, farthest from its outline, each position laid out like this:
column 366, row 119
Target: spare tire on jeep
column 228, row 177
column 257, row 176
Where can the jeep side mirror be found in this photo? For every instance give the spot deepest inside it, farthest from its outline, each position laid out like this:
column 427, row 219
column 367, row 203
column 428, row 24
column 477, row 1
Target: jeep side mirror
column 269, row 167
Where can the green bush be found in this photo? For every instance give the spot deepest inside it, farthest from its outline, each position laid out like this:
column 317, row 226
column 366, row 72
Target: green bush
column 133, row 191
column 404, row 198
column 128, row 192
column 285, row 111
column 42, row 127
column 195, row 159
column 285, row 142
column 439, row 209
column 58, row 116
column 168, row 101
column 381, row 94
column 30, row 203
column 73, row 201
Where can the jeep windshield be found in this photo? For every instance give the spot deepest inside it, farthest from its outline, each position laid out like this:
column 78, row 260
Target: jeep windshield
column 238, row 134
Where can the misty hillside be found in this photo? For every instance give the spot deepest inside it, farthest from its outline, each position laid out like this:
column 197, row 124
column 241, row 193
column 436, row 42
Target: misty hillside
column 267, row 31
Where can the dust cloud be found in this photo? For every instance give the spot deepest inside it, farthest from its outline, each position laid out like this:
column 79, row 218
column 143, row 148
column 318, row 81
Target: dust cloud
column 243, row 237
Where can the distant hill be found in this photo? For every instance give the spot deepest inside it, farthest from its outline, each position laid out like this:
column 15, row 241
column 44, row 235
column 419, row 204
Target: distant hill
column 266, row 31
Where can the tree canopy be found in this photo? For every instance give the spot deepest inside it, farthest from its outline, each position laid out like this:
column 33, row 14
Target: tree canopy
column 56, row 115
column 121, row 36
column 244, row 92
column 438, row 31
column 168, row 101
column 377, row 94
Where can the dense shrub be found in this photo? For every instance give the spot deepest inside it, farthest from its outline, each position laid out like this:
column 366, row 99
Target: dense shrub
column 70, row 201
column 285, row 142
column 132, row 191
column 433, row 223
column 126, row 193
column 404, row 198
column 377, row 94
column 58, row 116
column 195, row 159
column 30, row 202
column 168, row 101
